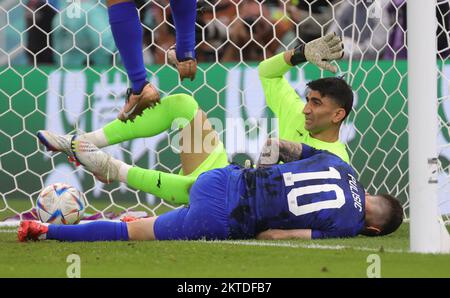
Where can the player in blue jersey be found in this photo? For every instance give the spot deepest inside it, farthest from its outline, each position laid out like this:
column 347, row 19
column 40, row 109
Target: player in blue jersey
column 314, row 194
column 127, row 32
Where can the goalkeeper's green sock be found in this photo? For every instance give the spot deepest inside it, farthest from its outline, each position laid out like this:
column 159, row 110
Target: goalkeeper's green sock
column 180, row 107
column 170, row 187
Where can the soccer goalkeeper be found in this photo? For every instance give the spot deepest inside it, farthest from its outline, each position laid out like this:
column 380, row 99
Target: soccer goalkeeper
column 328, row 102
column 127, row 32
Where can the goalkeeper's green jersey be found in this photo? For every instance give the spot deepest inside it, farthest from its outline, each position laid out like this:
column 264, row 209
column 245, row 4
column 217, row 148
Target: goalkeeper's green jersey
column 287, row 107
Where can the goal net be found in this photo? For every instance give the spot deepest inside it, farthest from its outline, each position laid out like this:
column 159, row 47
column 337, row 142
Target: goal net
column 60, row 71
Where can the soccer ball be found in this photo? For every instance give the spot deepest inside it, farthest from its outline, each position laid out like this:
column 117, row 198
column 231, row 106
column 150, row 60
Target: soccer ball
column 60, row 203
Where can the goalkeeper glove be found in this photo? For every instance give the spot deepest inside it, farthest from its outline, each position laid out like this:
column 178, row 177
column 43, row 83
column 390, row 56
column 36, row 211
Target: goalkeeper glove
column 320, row 52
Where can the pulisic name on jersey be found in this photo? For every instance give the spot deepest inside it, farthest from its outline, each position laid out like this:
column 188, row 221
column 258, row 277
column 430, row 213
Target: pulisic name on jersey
column 354, row 189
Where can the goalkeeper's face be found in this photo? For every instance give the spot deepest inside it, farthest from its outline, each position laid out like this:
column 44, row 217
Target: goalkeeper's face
column 321, row 112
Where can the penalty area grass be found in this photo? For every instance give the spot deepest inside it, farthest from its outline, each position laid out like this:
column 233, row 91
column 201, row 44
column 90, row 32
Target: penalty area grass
column 251, row 258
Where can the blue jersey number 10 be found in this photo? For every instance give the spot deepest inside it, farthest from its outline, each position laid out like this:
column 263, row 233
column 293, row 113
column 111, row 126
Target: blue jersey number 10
column 298, row 192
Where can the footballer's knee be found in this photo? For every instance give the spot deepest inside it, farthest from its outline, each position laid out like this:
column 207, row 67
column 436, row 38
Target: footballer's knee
column 141, row 229
column 184, row 103
column 181, row 107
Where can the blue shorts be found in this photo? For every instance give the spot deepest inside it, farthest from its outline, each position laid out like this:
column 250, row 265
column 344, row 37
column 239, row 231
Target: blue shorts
column 207, row 216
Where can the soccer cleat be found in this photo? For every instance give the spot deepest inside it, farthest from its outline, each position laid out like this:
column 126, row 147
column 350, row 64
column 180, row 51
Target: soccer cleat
column 96, row 161
column 56, row 143
column 186, row 69
column 136, row 103
column 31, row 230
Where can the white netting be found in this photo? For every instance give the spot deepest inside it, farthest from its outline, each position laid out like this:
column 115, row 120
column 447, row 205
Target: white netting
column 59, row 70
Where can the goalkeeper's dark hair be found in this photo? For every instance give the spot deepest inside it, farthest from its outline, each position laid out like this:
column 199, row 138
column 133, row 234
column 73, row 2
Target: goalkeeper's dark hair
column 335, row 88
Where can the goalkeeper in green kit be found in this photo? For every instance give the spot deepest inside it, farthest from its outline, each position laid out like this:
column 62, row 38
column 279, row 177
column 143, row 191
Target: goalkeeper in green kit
column 328, row 100
column 316, row 123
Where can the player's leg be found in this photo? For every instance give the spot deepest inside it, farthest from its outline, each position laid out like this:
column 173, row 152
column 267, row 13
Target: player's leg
column 152, row 122
column 167, row 186
column 95, row 231
column 184, row 14
column 201, row 148
column 175, row 111
column 141, row 229
column 172, row 226
column 172, row 188
column 127, row 32
column 206, row 217
column 182, row 56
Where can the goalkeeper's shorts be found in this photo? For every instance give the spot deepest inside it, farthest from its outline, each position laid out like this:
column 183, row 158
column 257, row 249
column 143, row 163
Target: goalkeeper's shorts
column 217, row 159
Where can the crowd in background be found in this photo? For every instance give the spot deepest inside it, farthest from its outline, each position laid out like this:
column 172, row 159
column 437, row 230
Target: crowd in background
column 227, row 30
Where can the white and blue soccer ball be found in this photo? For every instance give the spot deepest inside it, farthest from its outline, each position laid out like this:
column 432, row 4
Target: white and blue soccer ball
column 60, row 203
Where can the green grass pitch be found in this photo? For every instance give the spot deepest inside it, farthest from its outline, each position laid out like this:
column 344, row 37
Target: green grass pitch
column 323, row 258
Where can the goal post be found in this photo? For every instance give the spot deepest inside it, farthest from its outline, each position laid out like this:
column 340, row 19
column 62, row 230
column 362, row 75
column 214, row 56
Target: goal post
column 427, row 234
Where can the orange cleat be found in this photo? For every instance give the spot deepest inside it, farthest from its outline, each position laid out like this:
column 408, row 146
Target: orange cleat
column 31, row 230
column 136, row 103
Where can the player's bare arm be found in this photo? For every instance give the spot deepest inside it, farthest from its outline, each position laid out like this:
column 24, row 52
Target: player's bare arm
column 277, row 150
column 276, row 234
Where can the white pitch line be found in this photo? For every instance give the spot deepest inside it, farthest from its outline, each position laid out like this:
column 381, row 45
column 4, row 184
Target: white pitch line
column 308, row 246
column 280, row 244
column 8, row 231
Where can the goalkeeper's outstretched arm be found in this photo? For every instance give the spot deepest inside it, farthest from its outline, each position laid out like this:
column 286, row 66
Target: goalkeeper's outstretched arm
column 280, row 96
column 320, row 52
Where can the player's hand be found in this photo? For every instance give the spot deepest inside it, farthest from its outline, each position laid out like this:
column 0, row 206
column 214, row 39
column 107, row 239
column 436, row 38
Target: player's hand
column 323, row 50
column 270, row 154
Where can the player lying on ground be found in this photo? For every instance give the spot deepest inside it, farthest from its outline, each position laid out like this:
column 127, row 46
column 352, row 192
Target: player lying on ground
column 127, row 32
column 328, row 102
column 314, row 194
column 326, row 112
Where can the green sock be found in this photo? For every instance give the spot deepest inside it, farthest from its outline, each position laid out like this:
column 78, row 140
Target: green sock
column 153, row 121
column 170, row 187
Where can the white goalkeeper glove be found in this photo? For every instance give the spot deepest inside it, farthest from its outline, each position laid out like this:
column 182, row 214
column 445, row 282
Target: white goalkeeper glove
column 320, row 51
